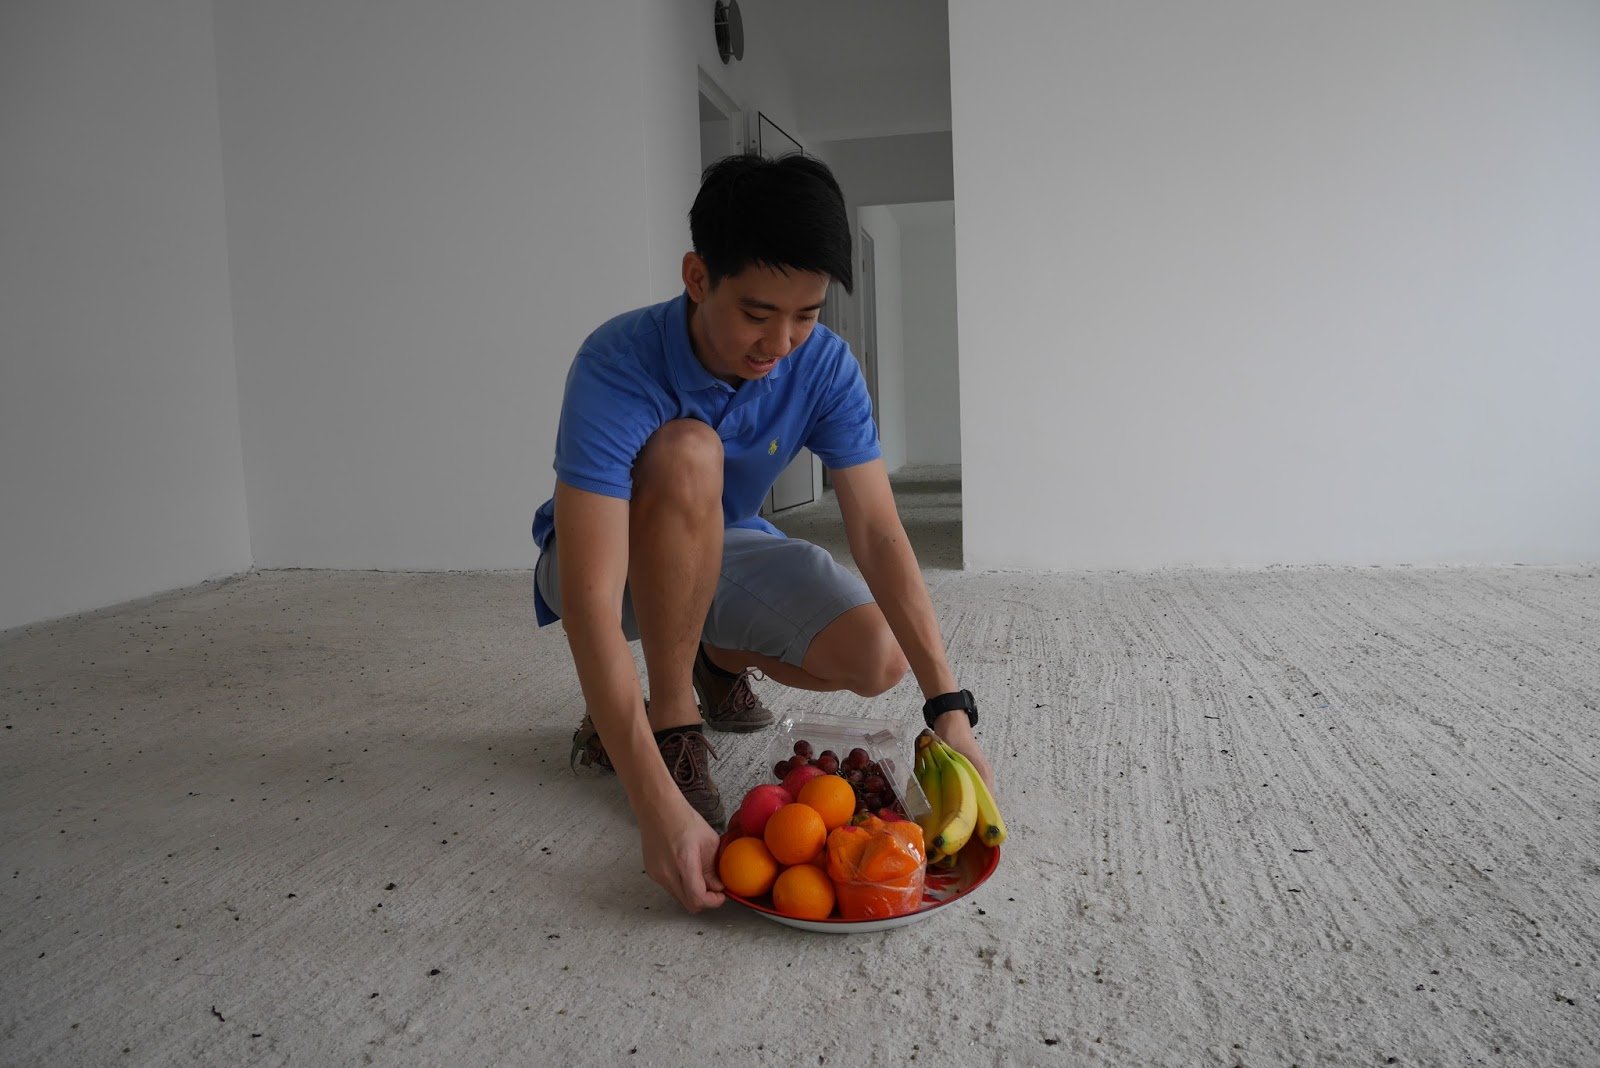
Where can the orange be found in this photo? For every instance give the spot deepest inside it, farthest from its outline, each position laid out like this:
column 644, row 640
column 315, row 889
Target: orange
column 795, row 834
column 877, row 868
column 804, row 892
column 845, row 847
column 833, row 799
column 746, row 867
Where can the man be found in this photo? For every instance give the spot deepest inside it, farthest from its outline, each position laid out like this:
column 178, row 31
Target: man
column 677, row 419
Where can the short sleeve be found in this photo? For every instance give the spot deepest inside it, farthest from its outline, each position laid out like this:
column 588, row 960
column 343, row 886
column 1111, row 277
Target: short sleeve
column 608, row 413
column 844, row 434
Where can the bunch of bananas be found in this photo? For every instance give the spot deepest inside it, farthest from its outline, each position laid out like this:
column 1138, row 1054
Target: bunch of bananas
column 961, row 804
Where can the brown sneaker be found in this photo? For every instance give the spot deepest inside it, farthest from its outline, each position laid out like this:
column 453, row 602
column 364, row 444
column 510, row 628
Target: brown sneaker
column 586, row 748
column 685, row 754
column 728, row 704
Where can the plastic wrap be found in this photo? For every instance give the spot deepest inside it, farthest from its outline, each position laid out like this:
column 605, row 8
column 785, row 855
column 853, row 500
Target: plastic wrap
column 877, row 868
column 890, row 743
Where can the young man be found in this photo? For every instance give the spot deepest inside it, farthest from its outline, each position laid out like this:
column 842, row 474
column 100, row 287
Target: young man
column 677, row 419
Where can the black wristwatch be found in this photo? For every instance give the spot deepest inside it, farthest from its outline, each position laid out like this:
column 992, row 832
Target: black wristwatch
column 950, row 702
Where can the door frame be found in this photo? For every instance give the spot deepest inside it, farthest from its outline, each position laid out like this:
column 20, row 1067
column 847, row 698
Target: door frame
column 730, row 109
column 869, row 320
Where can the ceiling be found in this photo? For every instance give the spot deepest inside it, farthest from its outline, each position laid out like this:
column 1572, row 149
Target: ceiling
column 862, row 68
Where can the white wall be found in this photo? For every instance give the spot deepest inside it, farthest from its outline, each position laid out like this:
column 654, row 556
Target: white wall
column 864, row 70
column 669, row 92
column 1278, row 283
column 885, row 170
column 885, row 231
column 429, row 208
column 932, row 373
column 425, row 212
column 892, row 170
column 119, row 428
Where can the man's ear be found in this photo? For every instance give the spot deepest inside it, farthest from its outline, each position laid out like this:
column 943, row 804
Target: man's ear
column 696, row 277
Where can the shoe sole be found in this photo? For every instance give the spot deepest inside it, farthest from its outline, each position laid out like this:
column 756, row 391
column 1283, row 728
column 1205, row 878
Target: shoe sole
column 738, row 728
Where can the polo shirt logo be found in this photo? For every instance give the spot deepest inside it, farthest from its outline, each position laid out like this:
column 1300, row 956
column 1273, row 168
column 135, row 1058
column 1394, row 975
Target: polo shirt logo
column 772, row 450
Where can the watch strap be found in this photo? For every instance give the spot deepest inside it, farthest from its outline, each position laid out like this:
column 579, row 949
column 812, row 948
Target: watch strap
column 951, row 702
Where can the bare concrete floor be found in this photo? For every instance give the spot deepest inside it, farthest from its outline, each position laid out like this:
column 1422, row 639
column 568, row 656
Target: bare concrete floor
column 1325, row 816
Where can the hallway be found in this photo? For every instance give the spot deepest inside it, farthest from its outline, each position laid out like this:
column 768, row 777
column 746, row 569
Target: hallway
column 929, row 499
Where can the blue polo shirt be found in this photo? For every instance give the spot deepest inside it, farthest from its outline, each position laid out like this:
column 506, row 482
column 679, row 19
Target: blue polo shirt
column 638, row 372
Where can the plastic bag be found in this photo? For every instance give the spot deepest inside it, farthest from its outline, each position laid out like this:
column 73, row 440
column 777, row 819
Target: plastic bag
column 877, row 868
column 891, row 743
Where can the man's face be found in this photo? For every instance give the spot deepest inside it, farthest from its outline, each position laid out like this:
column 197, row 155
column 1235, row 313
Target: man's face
column 744, row 325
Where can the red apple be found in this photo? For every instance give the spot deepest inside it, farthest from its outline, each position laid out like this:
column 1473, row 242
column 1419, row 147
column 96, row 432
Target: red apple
column 758, row 806
column 798, row 777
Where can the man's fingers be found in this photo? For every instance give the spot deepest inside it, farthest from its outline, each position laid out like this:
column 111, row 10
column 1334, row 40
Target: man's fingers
column 709, row 875
column 699, row 892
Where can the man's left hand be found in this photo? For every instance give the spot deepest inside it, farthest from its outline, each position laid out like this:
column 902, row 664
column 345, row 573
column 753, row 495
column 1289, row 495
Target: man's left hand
column 956, row 731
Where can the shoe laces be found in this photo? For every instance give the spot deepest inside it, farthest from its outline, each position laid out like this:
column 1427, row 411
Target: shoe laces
column 741, row 698
column 685, row 757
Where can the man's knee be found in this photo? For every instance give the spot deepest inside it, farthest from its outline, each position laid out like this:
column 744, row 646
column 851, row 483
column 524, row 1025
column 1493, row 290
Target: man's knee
column 682, row 462
column 882, row 664
column 858, row 652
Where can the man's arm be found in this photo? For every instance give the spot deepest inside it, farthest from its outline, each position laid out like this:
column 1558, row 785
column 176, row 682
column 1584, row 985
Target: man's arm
column 679, row 846
column 880, row 547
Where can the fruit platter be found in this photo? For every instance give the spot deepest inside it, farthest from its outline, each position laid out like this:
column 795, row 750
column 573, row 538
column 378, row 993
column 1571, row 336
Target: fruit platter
column 834, row 842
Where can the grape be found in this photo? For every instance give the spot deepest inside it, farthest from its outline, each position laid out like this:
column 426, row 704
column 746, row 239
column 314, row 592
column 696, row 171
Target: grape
column 798, row 761
column 875, row 784
column 782, row 768
column 828, row 753
column 854, row 775
column 803, row 748
column 858, row 759
column 828, row 763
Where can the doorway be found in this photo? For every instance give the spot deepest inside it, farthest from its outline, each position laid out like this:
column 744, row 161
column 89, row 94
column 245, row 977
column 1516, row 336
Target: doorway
column 908, row 331
column 721, row 123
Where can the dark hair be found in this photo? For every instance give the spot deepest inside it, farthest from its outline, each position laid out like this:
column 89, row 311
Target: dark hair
column 786, row 213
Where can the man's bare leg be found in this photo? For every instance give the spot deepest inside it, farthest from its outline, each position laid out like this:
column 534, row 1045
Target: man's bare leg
column 674, row 559
column 855, row 652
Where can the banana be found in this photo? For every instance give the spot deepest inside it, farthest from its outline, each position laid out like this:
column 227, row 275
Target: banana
column 991, row 829
column 959, row 804
column 927, row 773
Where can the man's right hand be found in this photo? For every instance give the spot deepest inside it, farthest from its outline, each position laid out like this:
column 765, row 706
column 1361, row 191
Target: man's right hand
column 680, row 853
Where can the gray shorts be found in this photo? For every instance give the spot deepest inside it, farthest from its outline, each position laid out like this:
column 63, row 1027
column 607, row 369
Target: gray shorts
column 774, row 596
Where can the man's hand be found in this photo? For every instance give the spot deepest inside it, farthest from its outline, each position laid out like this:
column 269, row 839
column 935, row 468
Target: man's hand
column 680, row 853
column 956, row 730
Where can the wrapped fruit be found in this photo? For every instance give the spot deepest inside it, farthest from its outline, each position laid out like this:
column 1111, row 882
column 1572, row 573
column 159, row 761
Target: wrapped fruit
column 877, row 868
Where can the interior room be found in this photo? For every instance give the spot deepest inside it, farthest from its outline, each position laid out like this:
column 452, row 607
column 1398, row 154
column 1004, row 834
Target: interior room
column 1237, row 371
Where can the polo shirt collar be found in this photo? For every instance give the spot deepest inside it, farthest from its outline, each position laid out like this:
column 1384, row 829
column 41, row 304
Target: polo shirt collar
column 688, row 373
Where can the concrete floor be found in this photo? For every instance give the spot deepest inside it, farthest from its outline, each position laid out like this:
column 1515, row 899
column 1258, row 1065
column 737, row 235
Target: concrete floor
column 1292, row 816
